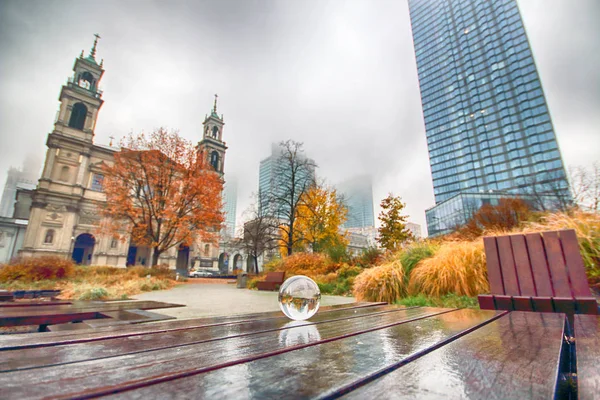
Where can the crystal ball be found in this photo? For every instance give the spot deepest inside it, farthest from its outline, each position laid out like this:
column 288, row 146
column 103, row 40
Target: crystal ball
column 299, row 297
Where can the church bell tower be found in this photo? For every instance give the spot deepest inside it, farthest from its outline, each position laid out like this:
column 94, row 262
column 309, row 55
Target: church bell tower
column 212, row 146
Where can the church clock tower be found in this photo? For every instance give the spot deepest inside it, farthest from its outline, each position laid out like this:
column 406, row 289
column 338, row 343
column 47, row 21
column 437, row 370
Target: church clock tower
column 212, row 146
column 65, row 201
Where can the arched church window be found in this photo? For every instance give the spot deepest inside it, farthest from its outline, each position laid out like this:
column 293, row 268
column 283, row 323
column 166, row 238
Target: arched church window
column 86, row 80
column 78, row 114
column 214, row 160
column 206, row 249
column 215, row 132
column 113, row 243
column 64, row 174
column 49, row 238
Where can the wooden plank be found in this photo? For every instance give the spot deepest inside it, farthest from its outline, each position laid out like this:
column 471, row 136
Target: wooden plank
column 514, row 357
column 507, row 265
column 539, row 265
column 312, row 371
column 522, row 303
column 587, row 305
column 34, row 303
column 109, row 347
column 503, row 303
column 542, row 304
column 587, row 340
column 556, row 263
column 64, row 313
column 523, row 266
column 486, row 302
column 107, row 375
column 575, row 267
column 493, row 265
column 14, row 342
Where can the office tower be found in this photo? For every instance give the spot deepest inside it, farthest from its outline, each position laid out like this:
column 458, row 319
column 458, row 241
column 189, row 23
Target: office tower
column 357, row 196
column 274, row 181
column 229, row 205
column 25, row 177
column 488, row 127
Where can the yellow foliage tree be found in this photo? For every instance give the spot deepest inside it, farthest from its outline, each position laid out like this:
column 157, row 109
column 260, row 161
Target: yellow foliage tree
column 319, row 218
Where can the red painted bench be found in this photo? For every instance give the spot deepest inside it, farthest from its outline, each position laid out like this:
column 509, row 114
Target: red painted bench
column 541, row 272
column 272, row 282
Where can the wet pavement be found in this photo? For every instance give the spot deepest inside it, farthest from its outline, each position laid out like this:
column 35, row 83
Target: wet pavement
column 204, row 300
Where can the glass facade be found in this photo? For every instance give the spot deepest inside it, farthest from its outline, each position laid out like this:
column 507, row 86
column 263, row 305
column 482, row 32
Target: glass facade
column 487, row 123
column 357, row 195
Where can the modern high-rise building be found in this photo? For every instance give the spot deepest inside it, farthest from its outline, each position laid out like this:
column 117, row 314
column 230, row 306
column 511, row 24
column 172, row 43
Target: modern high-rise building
column 488, row 127
column 26, row 177
column 230, row 205
column 357, row 196
column 272, row 175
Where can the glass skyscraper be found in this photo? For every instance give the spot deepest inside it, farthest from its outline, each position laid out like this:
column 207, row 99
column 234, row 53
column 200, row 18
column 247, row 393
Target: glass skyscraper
column 357, row 195
column 488, row 127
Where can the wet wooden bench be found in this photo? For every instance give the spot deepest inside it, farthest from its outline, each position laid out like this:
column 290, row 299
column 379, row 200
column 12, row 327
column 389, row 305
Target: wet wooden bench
column 352, row 351
column 540, row 271
column 95, row 313
column 272, row 281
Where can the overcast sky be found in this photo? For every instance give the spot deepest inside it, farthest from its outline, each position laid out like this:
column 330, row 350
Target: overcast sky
column 339, row 76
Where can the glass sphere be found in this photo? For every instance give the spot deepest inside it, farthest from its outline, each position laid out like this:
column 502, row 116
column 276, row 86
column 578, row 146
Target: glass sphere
column 299, row 297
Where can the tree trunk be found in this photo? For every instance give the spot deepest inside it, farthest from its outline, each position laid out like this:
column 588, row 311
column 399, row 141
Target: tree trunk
column 155, row 255
column 255, row 264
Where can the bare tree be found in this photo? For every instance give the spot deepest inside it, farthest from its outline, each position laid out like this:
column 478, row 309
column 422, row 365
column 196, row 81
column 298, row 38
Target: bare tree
column 585, row 186
column 260, row 232
column 549, row 191
column 293, row 176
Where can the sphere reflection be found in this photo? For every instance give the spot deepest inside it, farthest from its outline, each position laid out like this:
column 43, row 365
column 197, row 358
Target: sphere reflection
column 299, row 297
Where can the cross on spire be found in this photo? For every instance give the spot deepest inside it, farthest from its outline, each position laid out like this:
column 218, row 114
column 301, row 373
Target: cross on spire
column 111, row 140
column 93, row 51
column 215, row 106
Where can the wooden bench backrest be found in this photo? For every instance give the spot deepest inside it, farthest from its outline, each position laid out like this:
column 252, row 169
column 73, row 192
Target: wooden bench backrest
column 275, row 277
column 544, row 264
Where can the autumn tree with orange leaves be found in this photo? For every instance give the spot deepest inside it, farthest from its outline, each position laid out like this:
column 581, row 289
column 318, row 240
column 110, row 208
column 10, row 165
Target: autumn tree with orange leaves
column 320, row 217
column 164, row 192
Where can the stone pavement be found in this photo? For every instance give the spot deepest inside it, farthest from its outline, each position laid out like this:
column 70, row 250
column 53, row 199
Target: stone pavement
column 204, row 300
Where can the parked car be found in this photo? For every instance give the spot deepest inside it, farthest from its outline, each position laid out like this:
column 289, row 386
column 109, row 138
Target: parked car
column 201, row 273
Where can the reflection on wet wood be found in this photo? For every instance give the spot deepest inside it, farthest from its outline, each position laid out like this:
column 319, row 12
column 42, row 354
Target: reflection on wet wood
column 587, row 334
column 514, row 357
column 358, row 351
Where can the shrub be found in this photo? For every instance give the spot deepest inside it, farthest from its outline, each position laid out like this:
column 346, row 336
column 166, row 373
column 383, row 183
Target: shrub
column 413, row 254
column 36, row 269
column 337, row 253
column 94, row 294
column 326, row 288
column 381, row 283
column 309, row 264
column 370, row 256
column 347, row 271
column 457, row 267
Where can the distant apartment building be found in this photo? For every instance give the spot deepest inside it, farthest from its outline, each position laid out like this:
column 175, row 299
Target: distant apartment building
column 26, row 177
column 489, row 131
column 357, row 195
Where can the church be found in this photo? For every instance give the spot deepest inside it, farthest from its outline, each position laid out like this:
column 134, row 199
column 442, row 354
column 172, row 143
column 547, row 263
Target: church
column 63, row 216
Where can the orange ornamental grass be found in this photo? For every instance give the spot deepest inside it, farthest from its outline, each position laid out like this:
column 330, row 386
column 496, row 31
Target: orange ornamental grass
column 382, row 283
column 456, row 267
column 163, row 192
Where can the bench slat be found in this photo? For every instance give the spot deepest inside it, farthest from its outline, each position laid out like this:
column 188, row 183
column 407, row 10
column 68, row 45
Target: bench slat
column 507, row 264
column 510, row 358
column 493, row 265
column 587, row 339
column 13, row 342
column 111, row 373
column 523, row 266
column 539, row 265
column 314, row 371
column 577, row 276
column 58, row 354
column 556, row 262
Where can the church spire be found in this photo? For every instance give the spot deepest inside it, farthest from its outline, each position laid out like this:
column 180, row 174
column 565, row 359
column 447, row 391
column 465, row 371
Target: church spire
column 215, row 105
column 93, row 50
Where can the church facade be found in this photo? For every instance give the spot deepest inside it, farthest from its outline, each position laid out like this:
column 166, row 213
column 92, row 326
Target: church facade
column 64, row 215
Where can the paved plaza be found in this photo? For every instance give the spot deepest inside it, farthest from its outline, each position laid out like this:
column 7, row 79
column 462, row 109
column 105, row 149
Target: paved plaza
column 204, row 300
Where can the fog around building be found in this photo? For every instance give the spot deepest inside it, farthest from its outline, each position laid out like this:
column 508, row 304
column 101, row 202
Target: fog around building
column 339, row 76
